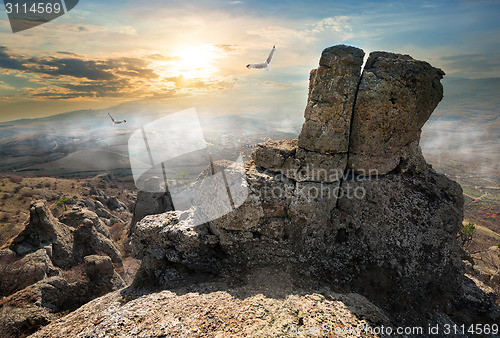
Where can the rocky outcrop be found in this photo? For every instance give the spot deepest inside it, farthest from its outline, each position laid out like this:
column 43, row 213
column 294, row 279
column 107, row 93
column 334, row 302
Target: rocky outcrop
column 367, row 123
column 81, row 234
column 332, row 92
column 42, row 230
column 55, row 265
column 351, row 204
column 35, row 306
column 320, row 152
column 150, row 202
column 396, row 96
column 267, row 306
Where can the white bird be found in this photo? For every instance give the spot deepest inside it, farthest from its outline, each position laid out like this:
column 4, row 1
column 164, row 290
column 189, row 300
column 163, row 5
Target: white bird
column 115, row 122
column 264, row 65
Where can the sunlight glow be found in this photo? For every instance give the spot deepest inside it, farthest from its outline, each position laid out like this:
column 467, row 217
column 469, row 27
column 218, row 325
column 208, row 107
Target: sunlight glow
column 193, row 62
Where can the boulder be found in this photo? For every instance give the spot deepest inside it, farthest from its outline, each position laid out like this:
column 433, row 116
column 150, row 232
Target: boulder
column 81, row 234
column 98, row 266
column 16, row 274
column 44, row 229
column 114, row 204
column 78, row 217
column 396, row 96
column 150, row 202
column 332, row 93
column 104, row 213
column 273, row 154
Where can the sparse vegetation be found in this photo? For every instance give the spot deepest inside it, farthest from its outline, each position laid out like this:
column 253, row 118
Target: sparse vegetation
column 18, row 204
column 124, row 299
column 26, row 194
column 466, row 234
column 63, row 202
column 15, row 178
column 75, row 275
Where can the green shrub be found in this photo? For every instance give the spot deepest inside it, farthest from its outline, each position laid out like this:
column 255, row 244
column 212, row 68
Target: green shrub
column 63, row 202
column 467, row 233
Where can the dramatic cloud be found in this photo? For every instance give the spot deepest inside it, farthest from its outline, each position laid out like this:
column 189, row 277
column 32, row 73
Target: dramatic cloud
column 70, row 76
column 8, row 62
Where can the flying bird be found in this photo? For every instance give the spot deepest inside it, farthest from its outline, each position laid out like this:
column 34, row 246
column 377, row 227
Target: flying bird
column 115, row 122
column 264, row 65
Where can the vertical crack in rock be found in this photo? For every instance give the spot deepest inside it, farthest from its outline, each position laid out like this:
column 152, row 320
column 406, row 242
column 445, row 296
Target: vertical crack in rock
column 395, row 97
column 320, row 154
column 346, row 170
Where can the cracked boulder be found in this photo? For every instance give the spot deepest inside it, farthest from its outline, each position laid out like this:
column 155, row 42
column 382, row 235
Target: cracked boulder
column 396, row 96
column 320, row 153
column 332, row 91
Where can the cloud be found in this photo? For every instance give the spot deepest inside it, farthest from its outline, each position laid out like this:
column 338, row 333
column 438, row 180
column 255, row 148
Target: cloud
column 226, row 47
column 9, row 62
column 472, row 65
column 237, row 2
column 332, row 24
column 309, row 32
column 3, row 85
column 70, row 76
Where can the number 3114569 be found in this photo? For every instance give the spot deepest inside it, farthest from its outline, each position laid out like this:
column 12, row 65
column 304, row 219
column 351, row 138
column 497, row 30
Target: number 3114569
column 39, row 8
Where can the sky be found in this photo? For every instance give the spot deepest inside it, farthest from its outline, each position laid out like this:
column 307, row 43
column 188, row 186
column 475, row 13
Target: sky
column 105, row 53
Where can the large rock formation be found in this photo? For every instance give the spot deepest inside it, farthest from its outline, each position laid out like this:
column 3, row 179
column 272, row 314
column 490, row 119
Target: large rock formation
column 321, row 152
column 350, row 204
column 332, row 93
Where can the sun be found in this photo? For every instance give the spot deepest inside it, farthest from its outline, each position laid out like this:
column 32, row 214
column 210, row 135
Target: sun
column 196, row 62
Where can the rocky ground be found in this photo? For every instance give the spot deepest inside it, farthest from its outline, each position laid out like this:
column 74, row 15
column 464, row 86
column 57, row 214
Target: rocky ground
column 56, row 264
column 268, row 304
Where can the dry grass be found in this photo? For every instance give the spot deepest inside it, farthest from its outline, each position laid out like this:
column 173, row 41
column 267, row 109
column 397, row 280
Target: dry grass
column 76, row 274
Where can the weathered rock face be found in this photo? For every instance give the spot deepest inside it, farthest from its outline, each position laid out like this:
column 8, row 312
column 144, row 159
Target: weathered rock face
column 396, row 96
column 373, row 235
column 150, row 203
column 389, row 234
column 367, row 123
column 322, row 146
column 332, row 91
column 82, row 234
column 35, row 306
column 55, row 265
column 42, row 230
